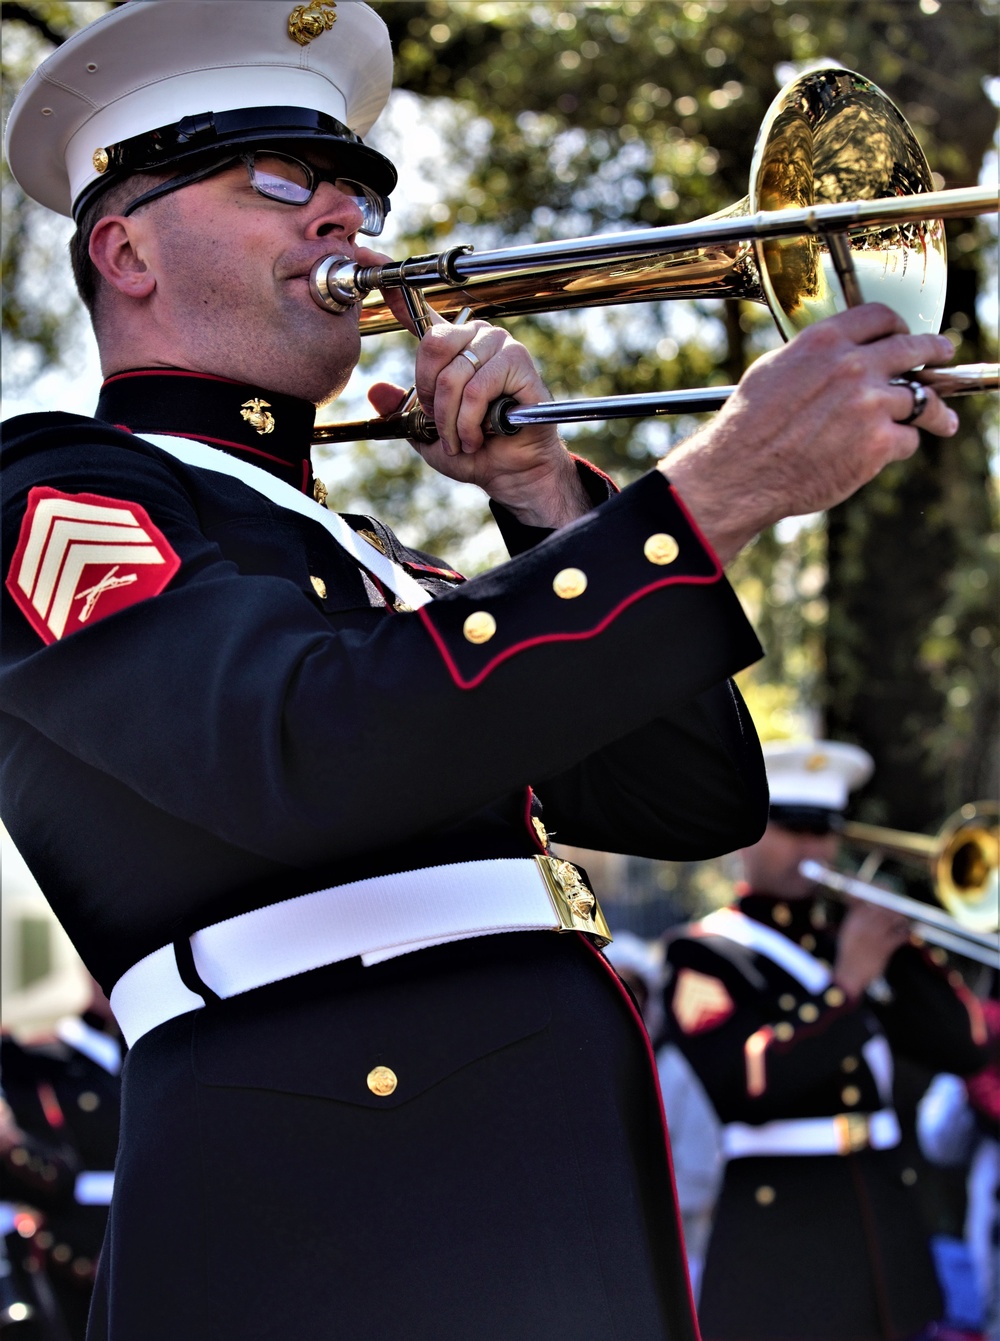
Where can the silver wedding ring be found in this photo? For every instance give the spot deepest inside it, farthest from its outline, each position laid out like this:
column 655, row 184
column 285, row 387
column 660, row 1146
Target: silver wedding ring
column 477, row 363
column 919, row 393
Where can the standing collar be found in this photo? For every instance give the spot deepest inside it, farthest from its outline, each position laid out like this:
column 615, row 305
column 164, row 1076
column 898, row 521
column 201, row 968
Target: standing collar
column 269, row 429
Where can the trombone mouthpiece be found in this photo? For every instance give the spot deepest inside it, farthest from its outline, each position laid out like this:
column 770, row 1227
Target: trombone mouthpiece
column 333, row 284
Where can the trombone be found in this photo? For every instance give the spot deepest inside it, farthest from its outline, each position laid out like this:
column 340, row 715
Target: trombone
column 841, row 210
column 962, row 861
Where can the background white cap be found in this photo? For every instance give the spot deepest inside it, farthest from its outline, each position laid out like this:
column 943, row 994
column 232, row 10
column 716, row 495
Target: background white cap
column 150, row 63
column 815, row 773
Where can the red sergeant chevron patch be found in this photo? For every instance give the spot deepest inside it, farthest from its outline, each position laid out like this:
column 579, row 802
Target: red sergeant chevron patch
column 81, row 557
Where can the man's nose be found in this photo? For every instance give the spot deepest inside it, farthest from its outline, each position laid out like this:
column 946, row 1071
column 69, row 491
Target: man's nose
column 332, row 211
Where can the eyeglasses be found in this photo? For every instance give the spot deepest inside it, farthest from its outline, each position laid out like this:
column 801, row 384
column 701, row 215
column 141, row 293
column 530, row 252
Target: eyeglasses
column 283, row 178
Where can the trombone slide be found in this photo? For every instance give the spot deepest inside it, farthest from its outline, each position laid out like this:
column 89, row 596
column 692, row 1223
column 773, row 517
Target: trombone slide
column 933, row 924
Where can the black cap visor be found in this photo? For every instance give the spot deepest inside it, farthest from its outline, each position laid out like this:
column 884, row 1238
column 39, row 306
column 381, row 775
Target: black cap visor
column 195, row 136
column 816, row 820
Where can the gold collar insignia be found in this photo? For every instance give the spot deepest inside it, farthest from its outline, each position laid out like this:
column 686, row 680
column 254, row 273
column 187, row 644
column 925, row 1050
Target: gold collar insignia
column 255, row 412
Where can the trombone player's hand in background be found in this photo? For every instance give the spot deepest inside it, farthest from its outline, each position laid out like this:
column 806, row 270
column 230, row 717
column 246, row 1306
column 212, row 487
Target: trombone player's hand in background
column 868, row 938
column 808, row 425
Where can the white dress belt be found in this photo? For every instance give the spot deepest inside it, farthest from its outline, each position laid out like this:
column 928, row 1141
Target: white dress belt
column 841, row 1134
column 93, row 1187
column 373, row 919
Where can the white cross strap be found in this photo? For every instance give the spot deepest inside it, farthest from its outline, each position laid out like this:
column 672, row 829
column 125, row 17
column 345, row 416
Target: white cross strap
column 200, row 454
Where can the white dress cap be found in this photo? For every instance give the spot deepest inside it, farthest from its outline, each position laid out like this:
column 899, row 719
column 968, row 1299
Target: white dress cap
column 150, row 63
column 820, row 773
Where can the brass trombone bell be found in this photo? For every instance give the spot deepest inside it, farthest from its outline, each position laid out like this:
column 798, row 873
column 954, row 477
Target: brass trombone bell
column 962, row 860
column 841, row 210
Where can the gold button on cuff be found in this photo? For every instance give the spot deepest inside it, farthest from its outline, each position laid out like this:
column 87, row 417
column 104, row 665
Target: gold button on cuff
column 850, row 1094
column 834, row 996
column 849, row 1064
column 764, row 1195
column 783, row 1031
column 382, row 1081
column 809, row 1012
column 569, row 582
column 661, row 548
column 319, row 586
column 479, row 627
column 786, row 1001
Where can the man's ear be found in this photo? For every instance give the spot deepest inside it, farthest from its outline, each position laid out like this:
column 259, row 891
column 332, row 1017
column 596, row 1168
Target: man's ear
column 116, row 251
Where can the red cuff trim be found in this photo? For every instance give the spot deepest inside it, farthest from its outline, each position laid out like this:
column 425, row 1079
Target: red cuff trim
column 696, row 529
column 584, row 634
column 582, row 461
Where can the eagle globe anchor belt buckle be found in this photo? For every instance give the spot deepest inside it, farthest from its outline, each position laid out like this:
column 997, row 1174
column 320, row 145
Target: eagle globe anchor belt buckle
column 374, row 919
column 573, row 901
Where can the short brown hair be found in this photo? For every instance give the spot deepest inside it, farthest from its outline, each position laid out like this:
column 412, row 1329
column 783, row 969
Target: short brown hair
column 111, row 201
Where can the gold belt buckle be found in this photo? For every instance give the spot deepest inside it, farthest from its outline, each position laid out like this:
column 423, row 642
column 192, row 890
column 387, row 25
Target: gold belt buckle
column 853, row 1132
column 573, row 901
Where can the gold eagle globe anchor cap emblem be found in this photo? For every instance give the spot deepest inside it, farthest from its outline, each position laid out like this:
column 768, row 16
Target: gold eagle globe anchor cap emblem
column 256, row 413
column 306, row 22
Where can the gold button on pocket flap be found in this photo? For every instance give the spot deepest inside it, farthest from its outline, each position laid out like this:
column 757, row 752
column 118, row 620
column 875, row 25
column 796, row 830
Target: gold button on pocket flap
column 661, row 548
column 319, row 586
column 569, row 582
column 382, row 1081
column 479, row 627
column 808, row 1012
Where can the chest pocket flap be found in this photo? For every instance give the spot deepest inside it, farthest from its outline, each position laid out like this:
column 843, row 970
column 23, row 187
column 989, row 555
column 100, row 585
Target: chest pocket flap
column 321, row 1036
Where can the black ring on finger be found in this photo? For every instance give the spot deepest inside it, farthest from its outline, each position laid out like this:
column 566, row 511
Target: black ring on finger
column 919, row 393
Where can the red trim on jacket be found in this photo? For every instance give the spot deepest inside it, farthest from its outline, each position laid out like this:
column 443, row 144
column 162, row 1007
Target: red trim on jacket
column 508, row 652
column 651, row 1058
